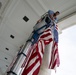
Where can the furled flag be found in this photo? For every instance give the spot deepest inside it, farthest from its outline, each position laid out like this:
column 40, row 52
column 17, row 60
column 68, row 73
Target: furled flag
column 55, row 61
column 36, row 57
column 54, row 56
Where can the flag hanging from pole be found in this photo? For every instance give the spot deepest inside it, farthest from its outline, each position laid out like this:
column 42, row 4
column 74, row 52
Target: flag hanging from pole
column 54, row 56
column 55, row 61
column 36, row 57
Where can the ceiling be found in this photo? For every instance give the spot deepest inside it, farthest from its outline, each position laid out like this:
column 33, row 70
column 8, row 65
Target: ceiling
column 14, row 31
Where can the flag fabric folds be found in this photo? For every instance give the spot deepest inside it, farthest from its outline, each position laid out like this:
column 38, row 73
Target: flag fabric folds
column 55, row 61
column 36, row 57
column 54, row 56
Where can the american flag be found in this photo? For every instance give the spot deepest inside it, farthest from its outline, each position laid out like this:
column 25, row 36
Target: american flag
column 36, row 57
column 54, row 56
column 55, row 61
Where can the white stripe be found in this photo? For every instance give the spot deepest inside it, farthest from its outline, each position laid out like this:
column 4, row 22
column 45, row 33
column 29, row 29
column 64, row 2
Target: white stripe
column 43, row 45
column 34, row 68
column 55, row 57
column 39, row 49
column 47, row 32
column 48, row 37
column 34, row 51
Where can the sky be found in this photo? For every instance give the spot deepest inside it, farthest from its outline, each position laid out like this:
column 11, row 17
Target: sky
column 67, row 52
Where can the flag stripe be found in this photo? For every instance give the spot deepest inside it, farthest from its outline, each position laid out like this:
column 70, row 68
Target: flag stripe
column 54, row 64
column 34, row 68
column 31, row 67
column 36, row 71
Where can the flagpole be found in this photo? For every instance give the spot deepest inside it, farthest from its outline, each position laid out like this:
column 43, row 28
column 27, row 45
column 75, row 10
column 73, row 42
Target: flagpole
column 21, row 56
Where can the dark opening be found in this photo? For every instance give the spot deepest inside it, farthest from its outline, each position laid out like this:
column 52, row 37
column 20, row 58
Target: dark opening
column 25, row 18
column 6, row 65
column 7, row 49
column 12, row 36
column 5, row 58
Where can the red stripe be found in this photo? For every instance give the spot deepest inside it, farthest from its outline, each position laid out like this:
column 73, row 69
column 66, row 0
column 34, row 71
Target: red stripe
column 33, row 55
column 54, row 64
column 30, row 67
column 47, row 30
column 45, row 35
column 36, row 71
